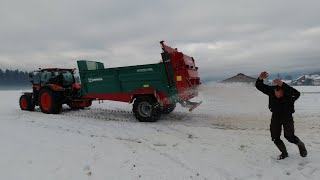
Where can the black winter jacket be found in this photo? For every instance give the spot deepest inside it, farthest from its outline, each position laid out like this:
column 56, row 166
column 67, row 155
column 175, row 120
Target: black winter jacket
column 279, row 106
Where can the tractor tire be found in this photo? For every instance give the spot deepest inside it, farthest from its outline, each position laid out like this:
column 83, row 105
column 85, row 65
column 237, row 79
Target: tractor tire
column 167, row 109
column 146, row 109
column 49, row 101
column 26, row 103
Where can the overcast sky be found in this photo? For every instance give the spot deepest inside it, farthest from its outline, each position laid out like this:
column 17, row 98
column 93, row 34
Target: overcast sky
column 225, row 37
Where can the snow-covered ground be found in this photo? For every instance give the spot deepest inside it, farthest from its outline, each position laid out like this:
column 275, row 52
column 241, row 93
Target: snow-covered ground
column 227, row 137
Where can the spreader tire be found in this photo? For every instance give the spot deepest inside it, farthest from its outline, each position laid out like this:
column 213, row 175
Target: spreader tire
column 25, row 103
column 167, row 109
column 49, row 101
column 146, row 109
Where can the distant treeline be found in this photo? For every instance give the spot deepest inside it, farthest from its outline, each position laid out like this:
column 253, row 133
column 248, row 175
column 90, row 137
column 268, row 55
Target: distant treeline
column 14, row 78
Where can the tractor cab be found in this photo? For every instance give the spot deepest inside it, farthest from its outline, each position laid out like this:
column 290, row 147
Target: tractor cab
column 62, row 77
column 53, row 76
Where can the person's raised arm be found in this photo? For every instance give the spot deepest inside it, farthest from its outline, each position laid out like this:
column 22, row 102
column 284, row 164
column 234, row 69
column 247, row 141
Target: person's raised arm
column 261, row 86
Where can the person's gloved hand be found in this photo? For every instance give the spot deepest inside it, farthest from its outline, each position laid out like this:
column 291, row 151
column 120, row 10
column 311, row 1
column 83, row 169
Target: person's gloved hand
column 278, row 82
column 263, row 75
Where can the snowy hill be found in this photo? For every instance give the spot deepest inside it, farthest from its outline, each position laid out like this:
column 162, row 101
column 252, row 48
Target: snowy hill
column 227, row 137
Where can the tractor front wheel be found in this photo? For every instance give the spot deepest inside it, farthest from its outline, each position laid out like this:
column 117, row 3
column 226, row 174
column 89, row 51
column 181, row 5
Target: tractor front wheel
column 49, row 102
column 26, row 103
column 146, row 109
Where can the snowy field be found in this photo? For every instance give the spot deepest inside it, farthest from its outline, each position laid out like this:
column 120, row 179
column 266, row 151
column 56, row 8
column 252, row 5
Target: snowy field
column 227, row 137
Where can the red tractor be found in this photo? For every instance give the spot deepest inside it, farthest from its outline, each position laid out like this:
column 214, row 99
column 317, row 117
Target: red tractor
column 54, row 88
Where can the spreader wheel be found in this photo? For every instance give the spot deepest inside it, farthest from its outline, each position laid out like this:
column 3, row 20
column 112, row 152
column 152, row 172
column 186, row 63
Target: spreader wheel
column 25, row 103
column 167, row 109
column 49, row 102
column 146, row 109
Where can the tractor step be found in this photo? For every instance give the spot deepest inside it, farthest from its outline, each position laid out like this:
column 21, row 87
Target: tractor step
column 190, row 105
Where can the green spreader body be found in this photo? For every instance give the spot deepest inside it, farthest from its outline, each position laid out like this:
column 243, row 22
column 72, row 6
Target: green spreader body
column 174, row 80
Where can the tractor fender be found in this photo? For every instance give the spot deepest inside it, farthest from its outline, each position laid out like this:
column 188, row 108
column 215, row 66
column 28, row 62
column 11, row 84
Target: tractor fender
column 29, row 94
column 36, row 87
column 145, row 91
column 55, row 87
column 76, row 86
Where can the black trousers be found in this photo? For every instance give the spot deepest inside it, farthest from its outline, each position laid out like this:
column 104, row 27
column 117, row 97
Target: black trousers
column 279, row 121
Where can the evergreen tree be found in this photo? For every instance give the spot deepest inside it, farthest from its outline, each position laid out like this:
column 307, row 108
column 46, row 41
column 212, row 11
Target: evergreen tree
column 13, row 78
column 1, row 75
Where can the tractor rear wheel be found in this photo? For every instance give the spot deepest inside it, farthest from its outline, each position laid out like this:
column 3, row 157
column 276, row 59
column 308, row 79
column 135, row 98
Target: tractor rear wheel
column 49, row 102
column 146, row 109
column 25, row 103
column 167, row 109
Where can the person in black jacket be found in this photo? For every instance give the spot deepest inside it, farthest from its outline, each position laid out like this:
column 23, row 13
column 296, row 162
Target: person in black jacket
column 281, row 104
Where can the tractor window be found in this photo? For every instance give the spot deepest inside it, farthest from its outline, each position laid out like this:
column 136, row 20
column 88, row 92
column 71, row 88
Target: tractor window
column 45, row 76
column 64, row 78
column 68, row 78
column 36, row 78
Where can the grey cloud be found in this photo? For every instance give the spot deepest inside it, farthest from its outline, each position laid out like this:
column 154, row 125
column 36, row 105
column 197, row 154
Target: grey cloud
column 225, row 37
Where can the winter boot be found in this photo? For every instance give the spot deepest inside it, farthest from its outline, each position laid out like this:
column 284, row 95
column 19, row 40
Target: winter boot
column 302, row 149
column 283, row 149
column 282, row 156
